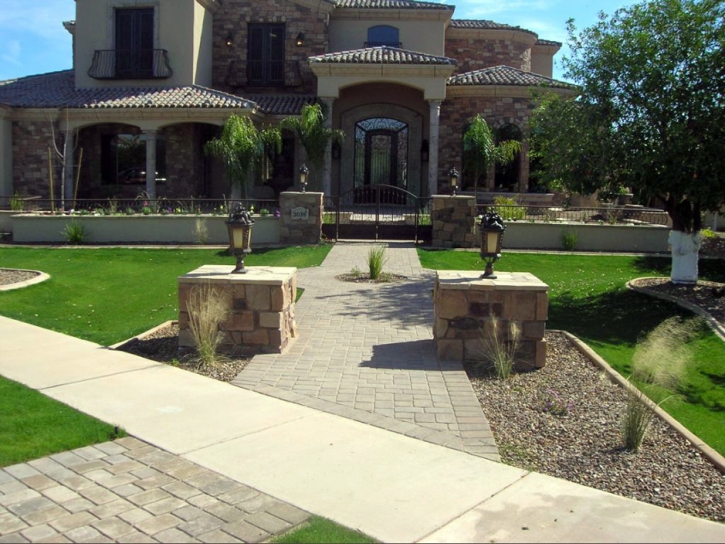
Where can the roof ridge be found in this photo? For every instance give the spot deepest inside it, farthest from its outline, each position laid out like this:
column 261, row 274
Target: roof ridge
column 521, row 78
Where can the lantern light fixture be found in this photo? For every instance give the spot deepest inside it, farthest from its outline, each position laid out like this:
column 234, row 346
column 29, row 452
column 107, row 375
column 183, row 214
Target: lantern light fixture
column 300, row 40
column 491, row 227
column 304, row 172
column 229, row 40
column 454, row 176
column 239, row 225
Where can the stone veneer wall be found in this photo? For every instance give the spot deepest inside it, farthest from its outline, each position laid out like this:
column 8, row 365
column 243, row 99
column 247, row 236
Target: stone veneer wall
column 453, row 219
column 305, row 231
column 465, row 306
column 261, row 301
column 30, row 159
column 475, row 54
column 234, row 16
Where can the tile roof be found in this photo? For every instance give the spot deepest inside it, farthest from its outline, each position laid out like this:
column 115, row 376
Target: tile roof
column 287, row 104
column 390, row 4
column 381, row 55
column 483, row 24
column 506, row 75
column 548, row 42
column 57, row 90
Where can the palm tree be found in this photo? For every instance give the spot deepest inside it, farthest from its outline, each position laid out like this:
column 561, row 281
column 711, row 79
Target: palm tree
column 240, row 147
column 310, row 130
column 480, row 149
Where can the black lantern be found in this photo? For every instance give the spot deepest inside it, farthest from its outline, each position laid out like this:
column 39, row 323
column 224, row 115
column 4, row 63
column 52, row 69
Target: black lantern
column 454, row 176
column 304, row 172
column 240, row 235
column 300, row 40
column 229, row 40
column 491, row 228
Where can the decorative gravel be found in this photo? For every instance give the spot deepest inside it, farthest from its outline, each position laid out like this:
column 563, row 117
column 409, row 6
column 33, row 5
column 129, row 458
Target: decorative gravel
column 8, row 276
column 564, row 421
column 708, row 295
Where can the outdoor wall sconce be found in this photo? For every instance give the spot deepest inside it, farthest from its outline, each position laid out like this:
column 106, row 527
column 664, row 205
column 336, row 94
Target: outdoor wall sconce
column 229, row 40
column 300, row 40
column 304, row 172
column 491, row 228
column 424, row 151
column 240, row 235
column 454, row 176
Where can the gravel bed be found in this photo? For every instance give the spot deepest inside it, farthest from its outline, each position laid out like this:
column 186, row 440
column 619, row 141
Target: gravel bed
column 580, row 441
column 163, row 346
column 708, row 295
column 9, row 276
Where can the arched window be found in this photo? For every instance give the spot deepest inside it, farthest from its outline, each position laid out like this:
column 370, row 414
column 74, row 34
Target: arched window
column 383, row 35
column 507, row 175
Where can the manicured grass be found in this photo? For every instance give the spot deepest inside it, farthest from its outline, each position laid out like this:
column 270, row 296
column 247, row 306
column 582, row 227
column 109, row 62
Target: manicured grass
column 33, row 425
column 109, row 295
column 588, row 298
column 320, row 530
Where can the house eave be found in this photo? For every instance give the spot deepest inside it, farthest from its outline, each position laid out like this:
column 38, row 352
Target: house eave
column 504, row 91
column 393, row 14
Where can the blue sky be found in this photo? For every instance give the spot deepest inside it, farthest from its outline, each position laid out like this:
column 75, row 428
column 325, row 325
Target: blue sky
column 33, row 40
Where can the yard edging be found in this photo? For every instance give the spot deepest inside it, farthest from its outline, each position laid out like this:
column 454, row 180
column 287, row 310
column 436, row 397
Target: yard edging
column 717, row 459
column 41, row 277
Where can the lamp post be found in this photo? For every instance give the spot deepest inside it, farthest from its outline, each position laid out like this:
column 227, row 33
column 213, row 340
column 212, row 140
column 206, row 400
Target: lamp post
column 240, row 235
column 491, row 227
column 454, row 176
column 304, row 172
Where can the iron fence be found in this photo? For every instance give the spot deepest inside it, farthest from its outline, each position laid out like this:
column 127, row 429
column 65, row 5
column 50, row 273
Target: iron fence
column 602, row 215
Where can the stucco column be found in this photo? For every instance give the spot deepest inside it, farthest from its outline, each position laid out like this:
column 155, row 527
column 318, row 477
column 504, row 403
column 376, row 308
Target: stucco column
column 150, row 163
column 69, row 158
column 327, row 168
column 435, row 114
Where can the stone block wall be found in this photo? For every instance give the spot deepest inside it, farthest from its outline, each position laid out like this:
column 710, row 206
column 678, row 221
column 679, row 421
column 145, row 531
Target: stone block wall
column 296, row 229
column 261, row 302
column 465, row 306
column 475, row 54
column 30, row 158
column 453, row 219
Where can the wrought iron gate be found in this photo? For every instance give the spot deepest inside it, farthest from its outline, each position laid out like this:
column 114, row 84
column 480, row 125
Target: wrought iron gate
column 377, row 212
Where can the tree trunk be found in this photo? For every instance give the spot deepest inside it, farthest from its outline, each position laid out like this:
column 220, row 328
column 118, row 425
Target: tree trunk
column 685, row 239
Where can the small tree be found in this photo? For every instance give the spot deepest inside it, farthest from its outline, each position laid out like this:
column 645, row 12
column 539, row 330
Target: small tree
column 310, row 130
column 240, row 147
column 480, row 150
column 650, row 114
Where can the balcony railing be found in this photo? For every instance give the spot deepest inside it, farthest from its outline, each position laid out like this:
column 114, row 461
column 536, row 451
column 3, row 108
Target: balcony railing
column 130, row 64
column 243, row 73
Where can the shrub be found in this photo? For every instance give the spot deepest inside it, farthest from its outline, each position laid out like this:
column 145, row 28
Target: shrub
column 508, row 208
column 376, row 261
column 208, row 307
column 264, row 212
column 17, row 204
column 499, row 347
column 569, row 238
column 74, row 232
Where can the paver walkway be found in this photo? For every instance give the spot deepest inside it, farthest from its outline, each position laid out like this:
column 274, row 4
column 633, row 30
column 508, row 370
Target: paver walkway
column 130, row 491
column 365, row 351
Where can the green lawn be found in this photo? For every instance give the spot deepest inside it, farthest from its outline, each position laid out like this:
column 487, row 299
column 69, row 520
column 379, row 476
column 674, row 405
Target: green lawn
column 33, row 425
column 588, row 298
column 320, row 530
column 109, row 295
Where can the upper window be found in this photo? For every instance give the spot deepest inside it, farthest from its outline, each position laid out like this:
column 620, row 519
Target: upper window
column 265, row 58
column 135, row 42
column 383, row 35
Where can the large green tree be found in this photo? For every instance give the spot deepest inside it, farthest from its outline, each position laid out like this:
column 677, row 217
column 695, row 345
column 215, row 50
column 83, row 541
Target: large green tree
column 650, row 113
column 480, row 149
column 242, row 146
column 310, row 130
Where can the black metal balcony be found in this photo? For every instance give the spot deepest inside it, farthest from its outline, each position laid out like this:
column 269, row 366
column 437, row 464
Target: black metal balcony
column 243, row 73
column 130, row 64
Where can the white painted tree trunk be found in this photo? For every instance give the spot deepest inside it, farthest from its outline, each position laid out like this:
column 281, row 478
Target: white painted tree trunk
column 685, row 249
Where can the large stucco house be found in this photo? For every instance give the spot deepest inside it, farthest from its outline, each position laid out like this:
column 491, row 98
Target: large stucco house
column 153, row 80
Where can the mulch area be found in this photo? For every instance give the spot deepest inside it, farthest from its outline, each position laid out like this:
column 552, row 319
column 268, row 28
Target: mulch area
column 9, row 276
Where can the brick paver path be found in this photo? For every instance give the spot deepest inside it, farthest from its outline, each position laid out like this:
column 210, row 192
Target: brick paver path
column 130, row 491
column 365, row 351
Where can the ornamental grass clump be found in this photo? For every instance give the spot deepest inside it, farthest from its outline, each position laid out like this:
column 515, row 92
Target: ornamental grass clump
column 500, row 346
column 376, row 261
column 659, row 362
column 74, row 232
column 207, row 307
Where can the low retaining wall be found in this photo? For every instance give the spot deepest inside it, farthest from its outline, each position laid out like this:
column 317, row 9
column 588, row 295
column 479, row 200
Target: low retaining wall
column 180, row 229
column 6, row 220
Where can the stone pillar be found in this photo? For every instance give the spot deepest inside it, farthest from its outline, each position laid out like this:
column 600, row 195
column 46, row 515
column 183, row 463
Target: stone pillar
column 261, row 306
column 435, row 114
column 150, row 163
column 327, row 168
column 453, row 220
column 300, row 218
column 466, row 305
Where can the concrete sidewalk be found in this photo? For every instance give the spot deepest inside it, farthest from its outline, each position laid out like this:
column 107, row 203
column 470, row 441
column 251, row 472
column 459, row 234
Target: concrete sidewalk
column 392, row 487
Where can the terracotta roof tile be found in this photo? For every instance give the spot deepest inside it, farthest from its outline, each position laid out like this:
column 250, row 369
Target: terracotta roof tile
column 381, row 55
column 506, row 75
column 57, row 90
column 290, row 104
column 390, row 4
column 483, row 24
column 548, row 42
